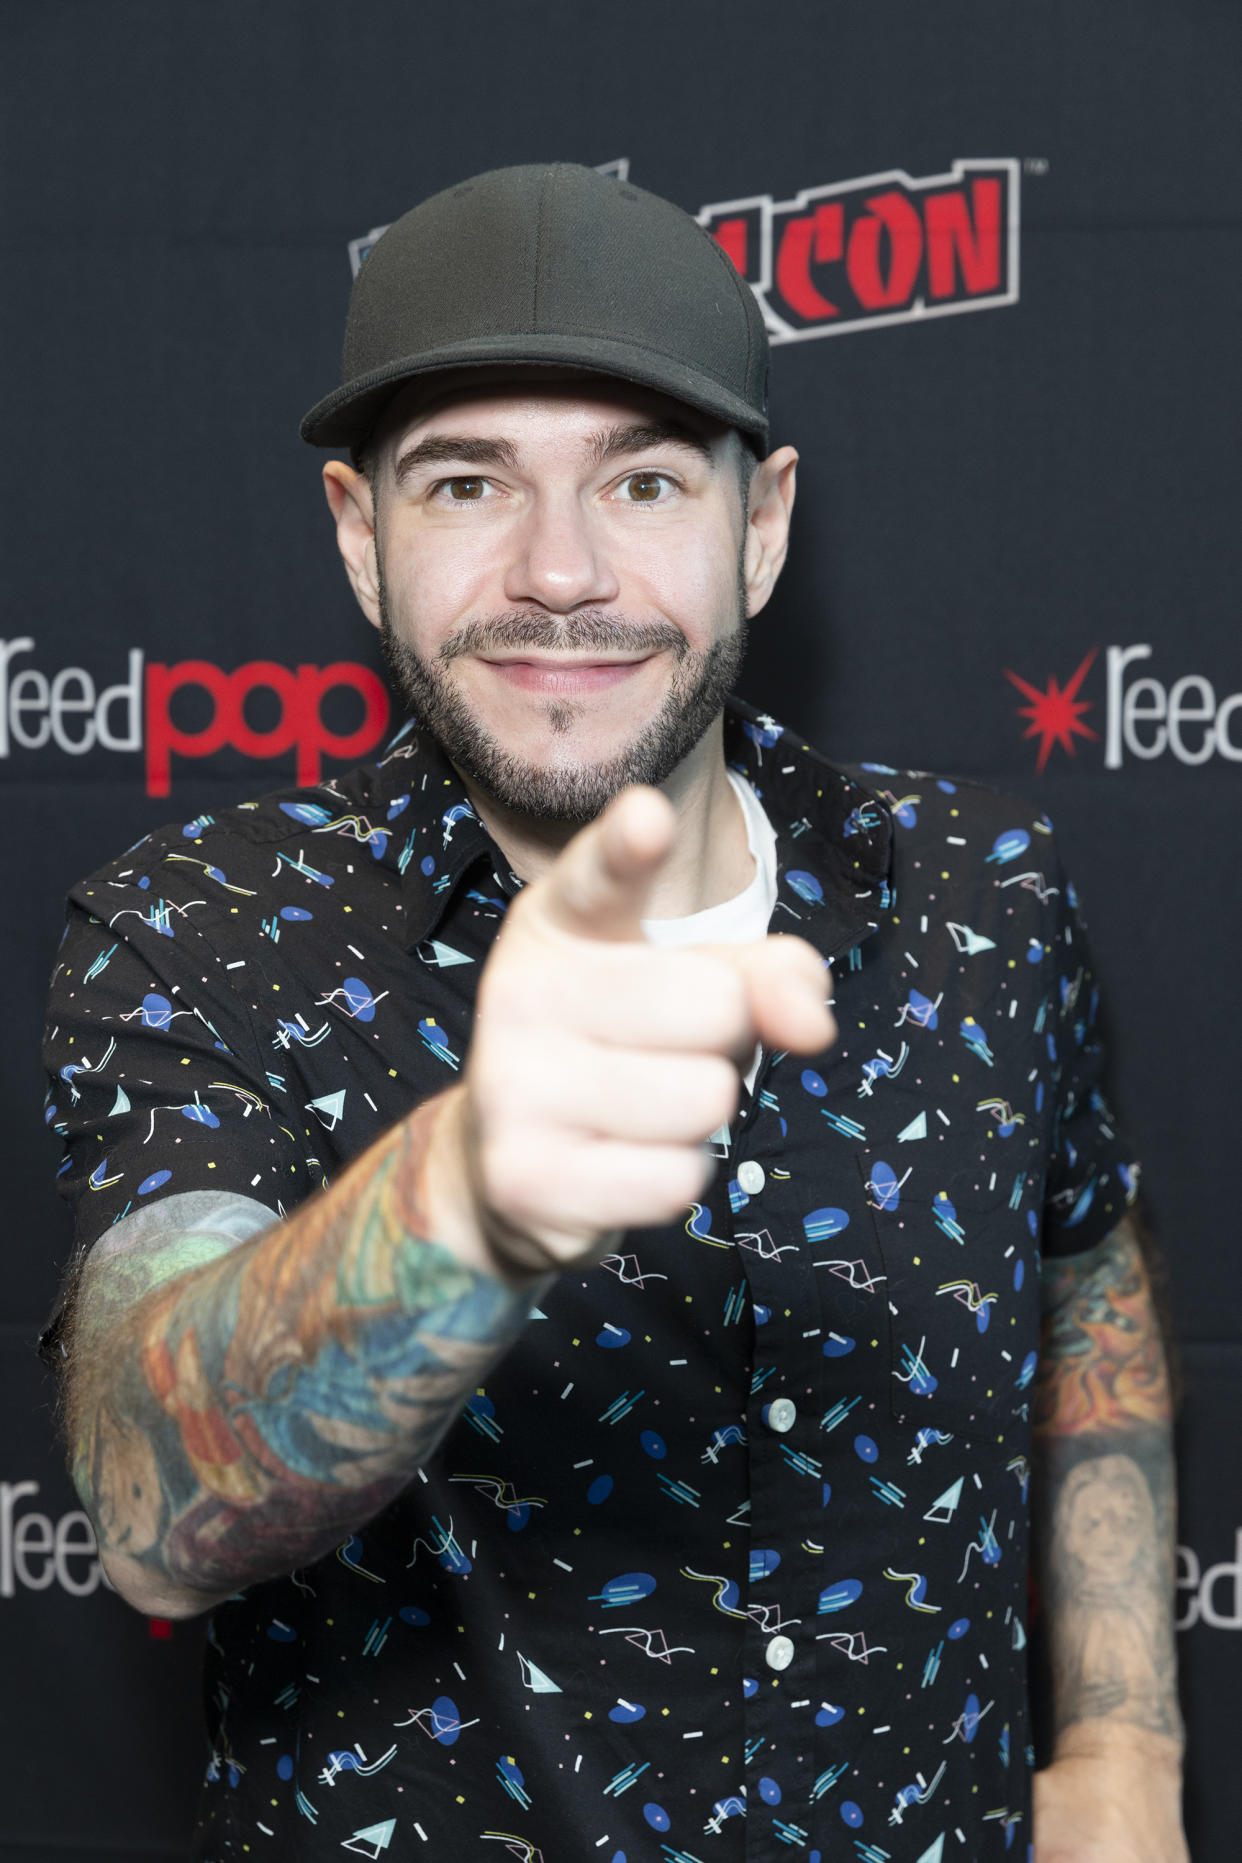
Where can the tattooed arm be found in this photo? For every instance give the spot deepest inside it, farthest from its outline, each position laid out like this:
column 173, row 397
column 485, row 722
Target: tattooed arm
column 234, row 1419
column 237, row 1401
column 1104, row 1504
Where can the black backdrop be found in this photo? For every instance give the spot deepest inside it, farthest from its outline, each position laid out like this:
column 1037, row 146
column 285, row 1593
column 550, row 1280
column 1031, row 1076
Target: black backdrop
column 1047, row 473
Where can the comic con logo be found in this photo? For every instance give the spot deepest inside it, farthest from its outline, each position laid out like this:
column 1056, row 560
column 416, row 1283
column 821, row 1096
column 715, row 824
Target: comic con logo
column 1144, row 716
column 854, row 255
column 192, row 709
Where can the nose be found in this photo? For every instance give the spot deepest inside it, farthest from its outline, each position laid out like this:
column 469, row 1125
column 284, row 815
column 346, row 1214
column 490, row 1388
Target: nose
column 558, row 559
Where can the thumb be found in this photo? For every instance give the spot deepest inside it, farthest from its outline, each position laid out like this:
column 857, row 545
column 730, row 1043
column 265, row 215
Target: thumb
column 599, row 885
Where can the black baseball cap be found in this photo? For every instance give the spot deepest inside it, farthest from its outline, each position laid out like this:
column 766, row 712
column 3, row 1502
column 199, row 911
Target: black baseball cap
column 551, row 264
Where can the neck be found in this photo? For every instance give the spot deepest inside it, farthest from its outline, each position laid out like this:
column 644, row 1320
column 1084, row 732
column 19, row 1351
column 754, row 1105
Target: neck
column 710, row 861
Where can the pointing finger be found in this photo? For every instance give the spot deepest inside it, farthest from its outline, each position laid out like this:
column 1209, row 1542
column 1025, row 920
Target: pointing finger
column 788, row 988
column 599, row 885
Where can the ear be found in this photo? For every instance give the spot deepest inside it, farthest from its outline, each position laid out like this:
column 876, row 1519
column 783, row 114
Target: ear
column 353, row 511
column 767, row 531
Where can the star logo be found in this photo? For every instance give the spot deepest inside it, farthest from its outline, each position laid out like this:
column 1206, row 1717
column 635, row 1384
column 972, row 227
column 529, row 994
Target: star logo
column 1056, row 712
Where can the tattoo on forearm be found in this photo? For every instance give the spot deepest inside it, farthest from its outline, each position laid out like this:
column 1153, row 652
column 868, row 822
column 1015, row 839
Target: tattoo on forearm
column 1104, row 1460
column 232, row 1423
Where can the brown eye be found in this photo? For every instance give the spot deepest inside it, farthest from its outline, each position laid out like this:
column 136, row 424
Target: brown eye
column 645, row 487
column 465, row 490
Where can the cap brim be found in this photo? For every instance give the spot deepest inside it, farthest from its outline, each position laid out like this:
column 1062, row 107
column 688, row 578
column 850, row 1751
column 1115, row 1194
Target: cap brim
column 346, row 417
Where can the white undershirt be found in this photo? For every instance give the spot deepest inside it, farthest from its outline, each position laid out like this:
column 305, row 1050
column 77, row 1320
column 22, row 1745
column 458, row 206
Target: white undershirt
column 744, row 918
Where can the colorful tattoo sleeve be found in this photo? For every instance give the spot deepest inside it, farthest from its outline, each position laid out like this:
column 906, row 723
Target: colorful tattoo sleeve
column 235, row 1406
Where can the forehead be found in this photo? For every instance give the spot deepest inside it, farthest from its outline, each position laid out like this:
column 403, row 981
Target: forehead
column 490, row 401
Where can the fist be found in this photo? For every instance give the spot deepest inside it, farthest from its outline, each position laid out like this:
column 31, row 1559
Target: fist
column 600, row 1063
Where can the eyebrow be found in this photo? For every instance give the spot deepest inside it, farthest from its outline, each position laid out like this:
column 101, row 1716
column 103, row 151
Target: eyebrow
column 440, row 449
column 639, row 436
column 608, row 443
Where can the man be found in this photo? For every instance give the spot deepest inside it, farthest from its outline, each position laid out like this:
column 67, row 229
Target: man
column 624, row 1451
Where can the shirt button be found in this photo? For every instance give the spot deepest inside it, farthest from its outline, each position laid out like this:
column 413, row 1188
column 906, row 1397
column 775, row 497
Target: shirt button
column 782, row 1414
column 751, row 1177
column 779, row 1653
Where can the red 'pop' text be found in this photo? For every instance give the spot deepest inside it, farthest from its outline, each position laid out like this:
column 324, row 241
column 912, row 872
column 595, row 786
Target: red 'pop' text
column 67, row 711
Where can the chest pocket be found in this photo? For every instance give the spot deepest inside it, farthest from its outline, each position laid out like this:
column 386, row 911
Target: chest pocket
column 962, row 1282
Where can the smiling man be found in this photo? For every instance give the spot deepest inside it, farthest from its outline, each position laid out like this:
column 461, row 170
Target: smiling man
column 605, row 1403
column 624, row 586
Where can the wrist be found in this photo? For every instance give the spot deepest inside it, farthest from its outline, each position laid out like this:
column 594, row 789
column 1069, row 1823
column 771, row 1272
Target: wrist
column 1122, row 1748
column 452, row 1209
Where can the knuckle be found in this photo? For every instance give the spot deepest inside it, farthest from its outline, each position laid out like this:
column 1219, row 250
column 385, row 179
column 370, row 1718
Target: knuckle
column 721, row 1000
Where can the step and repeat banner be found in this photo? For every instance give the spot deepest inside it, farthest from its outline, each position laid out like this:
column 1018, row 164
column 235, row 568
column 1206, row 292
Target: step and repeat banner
column 999, row 250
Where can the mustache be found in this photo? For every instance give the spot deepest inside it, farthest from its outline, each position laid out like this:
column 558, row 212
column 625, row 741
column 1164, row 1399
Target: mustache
column 587, row 628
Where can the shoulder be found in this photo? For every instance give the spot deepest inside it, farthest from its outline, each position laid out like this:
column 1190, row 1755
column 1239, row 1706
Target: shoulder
column 236, row 851
column 956, row 806
column 972, row 854
column 921, row 803
column 913, row 826
column 974, row 832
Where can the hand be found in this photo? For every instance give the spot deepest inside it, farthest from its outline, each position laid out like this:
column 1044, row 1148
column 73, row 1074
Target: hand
column 1089, row 1809
column 600, row 1064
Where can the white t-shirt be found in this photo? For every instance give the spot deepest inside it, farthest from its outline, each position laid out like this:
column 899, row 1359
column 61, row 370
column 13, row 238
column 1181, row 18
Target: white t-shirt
column 744, row 918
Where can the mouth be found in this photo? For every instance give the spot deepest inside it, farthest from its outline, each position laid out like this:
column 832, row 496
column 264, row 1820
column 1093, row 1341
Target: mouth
column 565, row 674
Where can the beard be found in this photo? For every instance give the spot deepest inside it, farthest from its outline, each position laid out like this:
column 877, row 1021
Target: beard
column 572, row 793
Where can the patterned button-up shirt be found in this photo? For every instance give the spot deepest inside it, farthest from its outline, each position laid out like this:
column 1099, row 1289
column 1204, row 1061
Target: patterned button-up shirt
column 727, row 1558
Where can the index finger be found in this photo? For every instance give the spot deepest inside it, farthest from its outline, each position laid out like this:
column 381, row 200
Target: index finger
column 598, row 887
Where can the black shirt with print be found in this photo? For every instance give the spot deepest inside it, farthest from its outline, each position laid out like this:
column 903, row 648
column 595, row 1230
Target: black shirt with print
column 728, row 1556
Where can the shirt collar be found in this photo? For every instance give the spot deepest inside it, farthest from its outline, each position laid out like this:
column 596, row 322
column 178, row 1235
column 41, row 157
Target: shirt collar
column 436, row 837
column 834, row 837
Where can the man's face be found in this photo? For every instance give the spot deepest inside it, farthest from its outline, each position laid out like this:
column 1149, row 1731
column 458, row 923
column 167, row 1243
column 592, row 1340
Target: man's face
column 560, row 567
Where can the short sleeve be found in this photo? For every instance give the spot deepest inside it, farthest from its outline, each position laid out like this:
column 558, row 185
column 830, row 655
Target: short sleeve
column 157, row 1083
column 1092, row 1174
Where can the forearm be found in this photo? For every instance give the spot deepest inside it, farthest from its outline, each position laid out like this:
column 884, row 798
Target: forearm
column 234, row 1421
column 1105, row 1506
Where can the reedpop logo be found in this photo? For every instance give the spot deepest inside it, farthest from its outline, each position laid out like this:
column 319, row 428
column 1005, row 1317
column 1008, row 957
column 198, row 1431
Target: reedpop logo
column 68, row 712
column 37, row 1551
column 1143, row 717
column 1213, row 1597
column 52, row 1552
